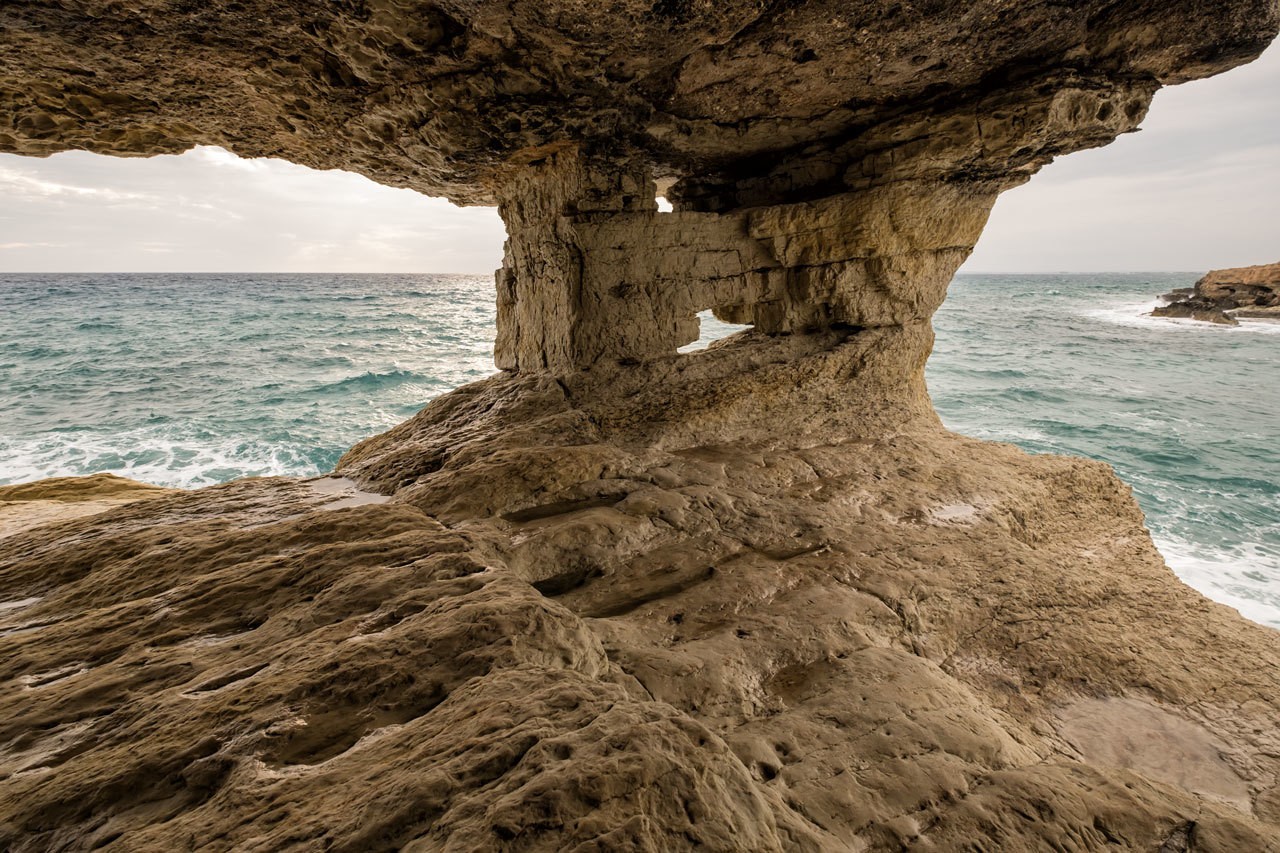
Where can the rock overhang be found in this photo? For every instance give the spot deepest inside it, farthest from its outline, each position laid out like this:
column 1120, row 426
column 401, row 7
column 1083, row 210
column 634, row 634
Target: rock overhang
column 757, row 596
column 831, row 164
column 793, row 99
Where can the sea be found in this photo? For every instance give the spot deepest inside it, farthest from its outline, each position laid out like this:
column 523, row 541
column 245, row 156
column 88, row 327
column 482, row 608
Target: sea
column 191, row 380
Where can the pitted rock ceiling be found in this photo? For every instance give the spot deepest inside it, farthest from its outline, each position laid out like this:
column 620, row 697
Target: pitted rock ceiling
column 448, row 97
column 616, row 598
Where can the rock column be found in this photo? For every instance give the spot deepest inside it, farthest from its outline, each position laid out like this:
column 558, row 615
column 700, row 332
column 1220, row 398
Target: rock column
column 594, row 274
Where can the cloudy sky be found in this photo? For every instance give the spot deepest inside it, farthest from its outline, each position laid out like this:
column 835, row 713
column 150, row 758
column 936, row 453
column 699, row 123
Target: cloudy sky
column 1197, row 188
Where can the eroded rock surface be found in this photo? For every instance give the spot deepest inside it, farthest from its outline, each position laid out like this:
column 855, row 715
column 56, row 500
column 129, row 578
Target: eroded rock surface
column 453, row 98
column 29, row 505
column 618, row 598
column 1223, row 295
column 581, row 627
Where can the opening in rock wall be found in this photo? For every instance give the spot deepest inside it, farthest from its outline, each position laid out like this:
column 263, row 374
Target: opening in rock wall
column 210, row 211
column 662, row 187
column 710, row 331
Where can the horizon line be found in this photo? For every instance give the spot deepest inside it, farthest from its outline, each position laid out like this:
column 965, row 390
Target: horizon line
column 491, row 272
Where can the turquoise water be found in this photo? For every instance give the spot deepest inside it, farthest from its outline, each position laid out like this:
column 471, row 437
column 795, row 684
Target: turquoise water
column 194, row 380
column 197, row 379
column 1188, row 413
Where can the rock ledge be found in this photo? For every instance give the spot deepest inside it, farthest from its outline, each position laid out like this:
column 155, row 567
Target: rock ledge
column 1224, row 295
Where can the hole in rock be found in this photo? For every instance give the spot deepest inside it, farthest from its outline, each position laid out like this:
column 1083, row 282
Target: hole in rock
column 711, row 330
column 324, row 306
column 210, row 210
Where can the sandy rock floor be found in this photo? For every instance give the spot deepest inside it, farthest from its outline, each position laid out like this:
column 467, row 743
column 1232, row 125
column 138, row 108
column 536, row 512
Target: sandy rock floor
column 915, row 642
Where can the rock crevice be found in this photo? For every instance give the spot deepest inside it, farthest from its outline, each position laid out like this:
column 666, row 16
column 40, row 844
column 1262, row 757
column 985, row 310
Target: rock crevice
column 593, row 273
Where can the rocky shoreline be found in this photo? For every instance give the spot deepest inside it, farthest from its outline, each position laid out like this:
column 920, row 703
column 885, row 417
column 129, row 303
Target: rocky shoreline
column 569, row 624
column 1223, row 296
column 616, row 597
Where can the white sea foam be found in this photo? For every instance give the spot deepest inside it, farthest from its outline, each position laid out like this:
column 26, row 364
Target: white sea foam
column 1248, row 581
column 149, row 456
column 1138, row 315
column 1006, row 434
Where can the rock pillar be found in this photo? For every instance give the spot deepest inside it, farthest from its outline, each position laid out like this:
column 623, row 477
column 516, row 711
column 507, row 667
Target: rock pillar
column 594, row 274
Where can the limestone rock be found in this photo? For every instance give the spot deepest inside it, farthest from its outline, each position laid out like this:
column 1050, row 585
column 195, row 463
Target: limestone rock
column 1223, row 295
column 1253, row 287
column 29, row 505
column 599, row 633
column 616, row 597
column 455, row 98
column 1195, row 308
column 1247, row 292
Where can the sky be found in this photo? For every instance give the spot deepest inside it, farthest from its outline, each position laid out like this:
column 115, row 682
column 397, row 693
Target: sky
column 1197, row 188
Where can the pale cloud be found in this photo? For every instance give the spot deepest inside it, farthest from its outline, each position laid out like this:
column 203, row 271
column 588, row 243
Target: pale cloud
column 208, row 210
column 1197, row 188
column 13, row 183
column 219, row 157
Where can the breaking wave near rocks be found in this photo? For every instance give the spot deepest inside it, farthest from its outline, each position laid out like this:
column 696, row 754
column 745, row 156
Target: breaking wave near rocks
column 190, row 380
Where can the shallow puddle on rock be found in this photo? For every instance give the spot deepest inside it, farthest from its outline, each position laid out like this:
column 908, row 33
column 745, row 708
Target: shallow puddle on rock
column 1141, row 736
column 345, row 493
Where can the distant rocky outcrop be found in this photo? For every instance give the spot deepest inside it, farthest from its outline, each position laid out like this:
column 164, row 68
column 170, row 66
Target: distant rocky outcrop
column 615, row 597
column 1223, row 295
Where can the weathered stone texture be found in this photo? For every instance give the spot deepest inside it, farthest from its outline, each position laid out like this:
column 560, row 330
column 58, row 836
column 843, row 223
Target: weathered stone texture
column 1245, row 291
column 844, row 629
column 453, row 98
column 594, row 274
column 616, row 598
column 1223, row 295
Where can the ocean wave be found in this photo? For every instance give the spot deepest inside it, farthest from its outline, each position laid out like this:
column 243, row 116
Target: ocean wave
column 162, row 456
column 1138, row 315
column 1247, row 579
column 372, row 381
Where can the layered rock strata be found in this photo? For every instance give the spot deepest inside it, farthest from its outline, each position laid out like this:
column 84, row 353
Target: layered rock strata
column 595, row 276
column 1223, row 295
column 618, row 597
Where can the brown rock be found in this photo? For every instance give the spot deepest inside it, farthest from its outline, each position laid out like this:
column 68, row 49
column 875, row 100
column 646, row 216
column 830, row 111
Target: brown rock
column 1195, row 308
column 617, row 598
column 28, row 505
column 1248, row 287
column 744, row 99
column 1223, row 295
column 857, row 633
